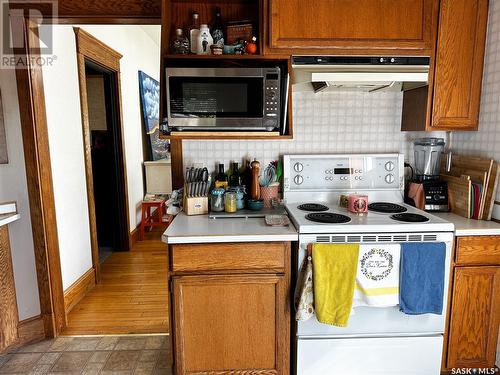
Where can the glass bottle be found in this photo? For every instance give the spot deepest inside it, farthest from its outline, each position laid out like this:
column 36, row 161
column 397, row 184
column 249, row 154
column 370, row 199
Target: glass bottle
column 217, row 29
column 230, row 202
column 180, row 44
column 221, row 180
column 235, row 178
column 205, row 40
column 194, row 32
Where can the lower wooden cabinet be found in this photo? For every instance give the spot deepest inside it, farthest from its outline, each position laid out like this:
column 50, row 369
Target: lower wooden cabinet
column 475, row 304
column 475, row 317
column 230, row 321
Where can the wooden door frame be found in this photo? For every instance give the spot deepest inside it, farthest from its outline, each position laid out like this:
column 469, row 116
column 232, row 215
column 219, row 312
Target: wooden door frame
column 35, row 137
column 89, row 48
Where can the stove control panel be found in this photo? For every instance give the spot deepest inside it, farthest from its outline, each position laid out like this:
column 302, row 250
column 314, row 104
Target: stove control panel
column 343, row 172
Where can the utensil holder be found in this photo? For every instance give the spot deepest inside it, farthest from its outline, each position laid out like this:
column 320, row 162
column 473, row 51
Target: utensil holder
column 268, row 193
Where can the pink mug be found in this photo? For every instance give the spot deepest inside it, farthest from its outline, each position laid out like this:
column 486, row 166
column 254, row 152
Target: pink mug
column 358, row 204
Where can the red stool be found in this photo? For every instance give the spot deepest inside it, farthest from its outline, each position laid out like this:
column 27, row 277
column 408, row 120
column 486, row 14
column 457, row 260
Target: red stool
column 149, row 218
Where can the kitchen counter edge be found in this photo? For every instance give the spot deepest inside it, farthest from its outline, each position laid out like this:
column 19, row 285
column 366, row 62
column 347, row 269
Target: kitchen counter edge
column 470, row 227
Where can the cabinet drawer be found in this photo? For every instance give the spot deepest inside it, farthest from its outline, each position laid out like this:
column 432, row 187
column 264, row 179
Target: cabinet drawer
column 478, row 250
column 267, row 257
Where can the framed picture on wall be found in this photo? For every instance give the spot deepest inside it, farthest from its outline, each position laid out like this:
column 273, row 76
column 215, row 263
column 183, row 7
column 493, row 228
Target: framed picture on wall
column 149, row 89
column 3, row 140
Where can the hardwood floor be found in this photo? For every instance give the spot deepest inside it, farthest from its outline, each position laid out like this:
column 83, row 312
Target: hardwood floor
column 132, row 296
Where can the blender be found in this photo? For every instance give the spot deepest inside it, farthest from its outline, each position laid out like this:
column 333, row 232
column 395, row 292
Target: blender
column 427, row 191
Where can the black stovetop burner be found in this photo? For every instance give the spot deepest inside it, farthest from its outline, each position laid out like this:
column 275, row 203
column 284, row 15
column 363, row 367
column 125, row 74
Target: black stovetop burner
column 410, row 218
column 313, row 207
column 328, row 218
column 386, row 207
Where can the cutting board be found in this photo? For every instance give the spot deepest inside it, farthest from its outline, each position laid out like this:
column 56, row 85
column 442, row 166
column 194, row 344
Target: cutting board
column 459, row 189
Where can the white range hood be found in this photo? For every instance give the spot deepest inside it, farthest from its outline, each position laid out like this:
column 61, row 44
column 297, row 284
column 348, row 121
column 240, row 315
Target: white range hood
column 360, row 73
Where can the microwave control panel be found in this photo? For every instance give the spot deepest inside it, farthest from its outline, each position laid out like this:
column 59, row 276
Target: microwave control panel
column 272, row 97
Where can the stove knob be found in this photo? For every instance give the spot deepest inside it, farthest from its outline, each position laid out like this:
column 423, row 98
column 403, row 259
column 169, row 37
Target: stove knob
column 389, row 178
column 389, row 166
column 298, row 179
column 298, row 167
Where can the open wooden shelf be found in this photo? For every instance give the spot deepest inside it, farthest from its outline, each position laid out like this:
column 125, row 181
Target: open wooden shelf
column 224, row 135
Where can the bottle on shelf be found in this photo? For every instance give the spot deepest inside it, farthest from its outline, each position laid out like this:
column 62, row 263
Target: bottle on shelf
column 194, row 32
column 217, row 30
column 180, row 44
column 235, row 178
column 221, row 180
column 205, row 40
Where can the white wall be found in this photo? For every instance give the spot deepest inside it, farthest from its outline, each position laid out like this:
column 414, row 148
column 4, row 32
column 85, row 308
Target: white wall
column 62, row 99
column 13, row 188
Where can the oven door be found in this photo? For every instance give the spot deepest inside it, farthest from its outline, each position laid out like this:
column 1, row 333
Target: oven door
column 215, row 99
column 377, row 321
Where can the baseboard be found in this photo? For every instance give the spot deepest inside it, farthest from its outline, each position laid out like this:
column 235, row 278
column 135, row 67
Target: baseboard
column 78, row 290
column 134, row 237
column 31, row 329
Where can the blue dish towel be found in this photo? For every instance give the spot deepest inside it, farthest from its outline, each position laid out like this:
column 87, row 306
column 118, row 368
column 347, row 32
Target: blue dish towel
column 421, row 278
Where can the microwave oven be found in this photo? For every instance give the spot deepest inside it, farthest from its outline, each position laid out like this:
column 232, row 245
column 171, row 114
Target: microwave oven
column 223, row 99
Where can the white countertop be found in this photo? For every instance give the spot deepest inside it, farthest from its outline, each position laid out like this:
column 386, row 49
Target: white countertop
column 470, row 227
column 8, row 213
column 201, row 229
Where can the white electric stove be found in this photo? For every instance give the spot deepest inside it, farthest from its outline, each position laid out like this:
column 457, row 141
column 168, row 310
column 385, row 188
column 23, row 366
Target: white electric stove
column 377, row 340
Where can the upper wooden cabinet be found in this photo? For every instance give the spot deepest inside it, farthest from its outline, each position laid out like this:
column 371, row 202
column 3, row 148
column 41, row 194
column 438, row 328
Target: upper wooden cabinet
column 459, row 64
column 451, row 102
column 351, row 26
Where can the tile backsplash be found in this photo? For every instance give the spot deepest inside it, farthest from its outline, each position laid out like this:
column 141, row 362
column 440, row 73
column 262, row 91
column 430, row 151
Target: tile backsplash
column 326, row 122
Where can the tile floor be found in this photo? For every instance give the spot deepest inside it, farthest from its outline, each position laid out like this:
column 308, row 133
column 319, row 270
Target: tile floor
column 91, row 355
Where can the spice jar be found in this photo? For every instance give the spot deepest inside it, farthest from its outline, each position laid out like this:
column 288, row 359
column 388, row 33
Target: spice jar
column 217, row 200
column 230, row 202
column 240, row 196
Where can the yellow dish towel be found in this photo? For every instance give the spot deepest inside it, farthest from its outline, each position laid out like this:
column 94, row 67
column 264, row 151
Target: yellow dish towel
column 335, row 269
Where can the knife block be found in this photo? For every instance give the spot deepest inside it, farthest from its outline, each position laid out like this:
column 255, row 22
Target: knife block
column 195, row 205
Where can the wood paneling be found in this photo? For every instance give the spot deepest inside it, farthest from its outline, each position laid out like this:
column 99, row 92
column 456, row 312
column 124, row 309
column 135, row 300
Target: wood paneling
column 96, row 11
column 350, row 26
column 79, row 289
column 459, row 64
column 39, row 181
column 31, row 329
column 478, row 250
column 8, row 305
column 475, row 316
column 132, row 297
column 242, row 257
column 230, row 324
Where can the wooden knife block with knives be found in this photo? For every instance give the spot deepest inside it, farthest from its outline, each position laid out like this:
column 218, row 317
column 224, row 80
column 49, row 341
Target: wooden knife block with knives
column 196, row 187
column 472, row 184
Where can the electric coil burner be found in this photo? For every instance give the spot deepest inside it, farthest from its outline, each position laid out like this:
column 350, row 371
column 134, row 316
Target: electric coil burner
column 328, row 217
column 313, row 207
column 410, row 218
column 386, row 207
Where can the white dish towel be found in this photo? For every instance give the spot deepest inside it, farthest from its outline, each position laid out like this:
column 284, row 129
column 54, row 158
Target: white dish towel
column 377, row 277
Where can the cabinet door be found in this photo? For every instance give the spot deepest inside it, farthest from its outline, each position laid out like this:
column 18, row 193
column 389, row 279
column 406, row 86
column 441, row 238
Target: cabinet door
column 475, row 316
column 351, row 25
column 459, row 64
column 231, row 324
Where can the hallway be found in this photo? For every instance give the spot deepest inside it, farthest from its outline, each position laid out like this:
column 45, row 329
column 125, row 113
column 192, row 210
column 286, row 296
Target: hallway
column 132, row 296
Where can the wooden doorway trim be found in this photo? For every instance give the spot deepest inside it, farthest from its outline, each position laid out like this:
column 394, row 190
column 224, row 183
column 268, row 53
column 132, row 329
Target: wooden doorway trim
column 89, row 48
column 39, row 182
